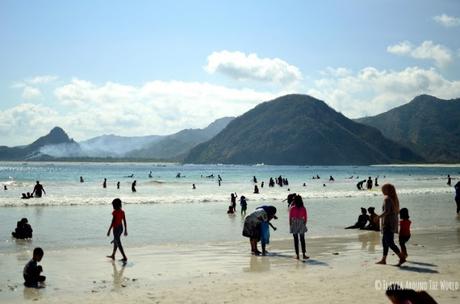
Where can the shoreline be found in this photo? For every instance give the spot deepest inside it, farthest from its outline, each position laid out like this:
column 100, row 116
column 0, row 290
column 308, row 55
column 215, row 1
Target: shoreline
column 339, row 271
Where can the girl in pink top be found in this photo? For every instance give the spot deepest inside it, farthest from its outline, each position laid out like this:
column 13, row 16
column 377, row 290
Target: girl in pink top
column 297, row 224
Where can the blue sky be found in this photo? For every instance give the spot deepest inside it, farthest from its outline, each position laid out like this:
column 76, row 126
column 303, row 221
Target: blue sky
column 155, row 67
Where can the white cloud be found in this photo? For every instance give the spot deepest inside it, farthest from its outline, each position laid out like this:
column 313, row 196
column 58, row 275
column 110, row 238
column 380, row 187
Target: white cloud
column 156, row 107
column 447, row 21
column 402, row 48
column 30, row 92
column 243, row 66
column 427, row 50
column 42, row 79
column 371, row 91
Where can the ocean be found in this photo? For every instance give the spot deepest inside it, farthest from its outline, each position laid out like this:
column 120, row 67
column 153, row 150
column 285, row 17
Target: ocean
column 166, row 210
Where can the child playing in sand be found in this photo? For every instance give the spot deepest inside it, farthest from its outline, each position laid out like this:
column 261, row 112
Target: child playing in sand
column 404, row 230
column 118, row 219
column 32, row 271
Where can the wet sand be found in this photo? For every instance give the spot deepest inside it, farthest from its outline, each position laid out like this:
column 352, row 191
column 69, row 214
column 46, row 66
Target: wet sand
column 341, row 270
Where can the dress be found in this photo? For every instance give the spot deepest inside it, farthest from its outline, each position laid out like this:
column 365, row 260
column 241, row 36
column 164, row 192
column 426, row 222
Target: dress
column 298, row 220
column 251, row 228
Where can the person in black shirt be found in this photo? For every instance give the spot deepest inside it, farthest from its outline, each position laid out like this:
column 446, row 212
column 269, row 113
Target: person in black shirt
column 32, row 271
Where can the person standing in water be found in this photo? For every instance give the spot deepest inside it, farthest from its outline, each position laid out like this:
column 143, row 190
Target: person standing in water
column 390, row 223
column 457, row 196
column 81, row 179
column 118, row 220
column 376, row 181
column 133, row 186
column 233, row 197
column 449, row 180
column 104, row 183
column 118, row 185
column 369, row 183
column 38, row 190
column 243, row 204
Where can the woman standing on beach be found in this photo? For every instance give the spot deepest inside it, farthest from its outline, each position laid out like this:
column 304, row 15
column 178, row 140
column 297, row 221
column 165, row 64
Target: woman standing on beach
column 390, row 223
column 298, row 225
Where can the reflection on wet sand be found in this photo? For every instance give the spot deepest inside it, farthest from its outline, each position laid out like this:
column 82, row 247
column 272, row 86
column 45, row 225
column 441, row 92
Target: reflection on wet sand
column 369, row 240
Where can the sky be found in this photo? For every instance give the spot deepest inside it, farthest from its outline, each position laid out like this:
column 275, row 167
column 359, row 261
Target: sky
column 155, row 67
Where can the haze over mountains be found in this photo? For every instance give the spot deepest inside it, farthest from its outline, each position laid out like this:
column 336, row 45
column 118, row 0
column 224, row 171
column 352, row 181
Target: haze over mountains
column 58, row 145
column 291, row 130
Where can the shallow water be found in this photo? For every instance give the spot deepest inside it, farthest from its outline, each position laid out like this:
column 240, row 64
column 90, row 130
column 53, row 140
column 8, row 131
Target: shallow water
column 165, row 209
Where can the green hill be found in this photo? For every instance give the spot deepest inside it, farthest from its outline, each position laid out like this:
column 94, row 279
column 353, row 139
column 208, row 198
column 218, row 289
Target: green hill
column 299, row 130
column 428, row 125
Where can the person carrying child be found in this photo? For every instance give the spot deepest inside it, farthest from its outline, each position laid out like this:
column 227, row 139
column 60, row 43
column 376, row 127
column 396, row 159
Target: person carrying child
column 118, row 219
column 404, row 230
column 32, row 271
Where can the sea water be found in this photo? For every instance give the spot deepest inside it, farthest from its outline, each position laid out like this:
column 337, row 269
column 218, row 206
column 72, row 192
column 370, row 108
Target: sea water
column 166, row 209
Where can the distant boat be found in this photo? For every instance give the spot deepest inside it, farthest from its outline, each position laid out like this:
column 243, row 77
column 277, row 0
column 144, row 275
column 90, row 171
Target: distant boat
column 261, row 164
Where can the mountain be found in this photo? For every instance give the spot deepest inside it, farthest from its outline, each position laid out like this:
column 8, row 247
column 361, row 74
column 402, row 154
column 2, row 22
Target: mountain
column 54, row 144
column 176, row 146
column 299, row 130
column 428, row 125
column 114, row 145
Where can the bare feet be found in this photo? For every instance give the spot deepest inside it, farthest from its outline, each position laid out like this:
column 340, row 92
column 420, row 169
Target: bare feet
column 381, row 262
column 402, row 260
column 305, row 257
column 111, row 257
column 124, row 260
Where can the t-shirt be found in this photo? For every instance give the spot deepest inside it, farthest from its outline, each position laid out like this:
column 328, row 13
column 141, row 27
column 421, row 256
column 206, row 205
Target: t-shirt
column 404, row 227
column 118, row 216
column 390, row 220
column 300, row 213
column 31, row 272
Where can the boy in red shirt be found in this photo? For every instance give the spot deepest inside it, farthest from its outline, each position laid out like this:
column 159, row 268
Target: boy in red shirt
column 404, row 230
column 118, row 219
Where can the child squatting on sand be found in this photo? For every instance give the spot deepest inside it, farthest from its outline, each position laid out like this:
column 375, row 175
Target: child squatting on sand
column 118, row 219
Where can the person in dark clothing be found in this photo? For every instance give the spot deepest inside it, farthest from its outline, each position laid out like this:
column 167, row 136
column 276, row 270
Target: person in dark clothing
column 369, row 183
column 290, row 199
column 233, row 197
column 360, row 184
column 81, row 179
column 271, row 183
column 38, row 190
column 243, row 204
column 331, row 179
column 449, row 180
column 262, row 184
column 376, row 181
column 457, row 196
column 32, row 271
column 256, row 189
column 133, row 186
column 23, row 230
column 104, row 183
column 254, row 179
column 374, row 221
column 118, row 185
column 362, row 220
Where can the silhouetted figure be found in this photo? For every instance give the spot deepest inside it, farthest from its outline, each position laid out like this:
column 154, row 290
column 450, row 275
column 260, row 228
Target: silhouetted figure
column 32, row 271
column 449, row 180
column 243, row 204
column 331, row 179
column 24, row 196
column 133, row 186
column 317, row 176
column 362, row 220
column 457, row 196
column 256, row 189
column 81, row 179
column 130, row 176
column 218, row 182
column 304, row 185
column 118, row 185
column 376, row 182
column 29, row 195
column 360, row 184
column 254, row 179
column 280, row 181
column 219, row 178
column 271, row 183
column 290, row 199
column 178, row 175
column 369, row 183
column 230, row 210
column 398, row 295
column 38, row 190
column 374, row 221
column 233, row 197
column 23, row 230
column 5, row 187
column 150, row 174
column 193, row 186
column 104, row 183
column 262, row 185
